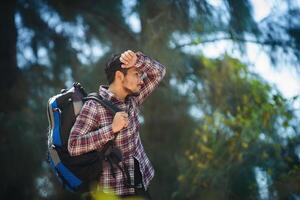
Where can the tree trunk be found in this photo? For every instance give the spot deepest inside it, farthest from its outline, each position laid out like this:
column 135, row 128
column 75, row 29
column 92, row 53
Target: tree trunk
column 10, row 75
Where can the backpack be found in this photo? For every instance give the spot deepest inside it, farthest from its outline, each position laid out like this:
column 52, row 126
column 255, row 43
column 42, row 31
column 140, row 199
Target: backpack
column 77, row 173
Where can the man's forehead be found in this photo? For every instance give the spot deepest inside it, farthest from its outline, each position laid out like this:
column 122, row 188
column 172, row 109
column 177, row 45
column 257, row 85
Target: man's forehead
column 134, row 69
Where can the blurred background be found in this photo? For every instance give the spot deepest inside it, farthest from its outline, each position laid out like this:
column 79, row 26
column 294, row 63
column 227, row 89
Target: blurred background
column 224, row 123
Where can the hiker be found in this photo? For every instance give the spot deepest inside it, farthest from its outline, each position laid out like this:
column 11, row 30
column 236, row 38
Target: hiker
column 132, row 77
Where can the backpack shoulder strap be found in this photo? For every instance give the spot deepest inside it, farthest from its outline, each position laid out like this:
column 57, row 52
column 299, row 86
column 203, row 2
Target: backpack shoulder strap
column 107, row 104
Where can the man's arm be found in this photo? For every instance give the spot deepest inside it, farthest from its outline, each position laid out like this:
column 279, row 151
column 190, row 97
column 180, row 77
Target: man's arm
column 154, row 72
column 86, row 135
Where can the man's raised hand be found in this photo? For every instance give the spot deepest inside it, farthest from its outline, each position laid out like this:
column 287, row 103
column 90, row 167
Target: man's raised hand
column 128, row 58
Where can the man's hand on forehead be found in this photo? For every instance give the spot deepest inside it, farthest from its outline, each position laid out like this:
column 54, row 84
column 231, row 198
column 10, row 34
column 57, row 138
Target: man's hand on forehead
column 128, row 58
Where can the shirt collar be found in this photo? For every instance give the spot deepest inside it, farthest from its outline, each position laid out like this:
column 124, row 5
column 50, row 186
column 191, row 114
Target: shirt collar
column 105, row 93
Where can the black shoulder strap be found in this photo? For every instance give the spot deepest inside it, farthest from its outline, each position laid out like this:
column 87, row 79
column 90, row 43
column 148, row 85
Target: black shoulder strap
column 107, row 104
column 114, row 109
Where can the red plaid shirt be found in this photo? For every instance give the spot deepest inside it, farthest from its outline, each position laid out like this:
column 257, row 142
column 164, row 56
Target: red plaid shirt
column 93, row 129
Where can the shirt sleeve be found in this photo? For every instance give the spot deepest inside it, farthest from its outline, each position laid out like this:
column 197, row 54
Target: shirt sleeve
column 154, row 72
column 85, row 136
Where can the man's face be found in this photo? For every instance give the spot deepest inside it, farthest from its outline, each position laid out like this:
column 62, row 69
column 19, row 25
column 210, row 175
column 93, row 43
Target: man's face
column 133, row 81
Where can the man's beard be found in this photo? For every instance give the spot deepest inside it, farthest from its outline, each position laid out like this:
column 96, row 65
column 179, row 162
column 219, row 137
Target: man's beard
column 130, row 92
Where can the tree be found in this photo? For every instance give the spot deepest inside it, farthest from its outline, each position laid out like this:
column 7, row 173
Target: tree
column 241, row 129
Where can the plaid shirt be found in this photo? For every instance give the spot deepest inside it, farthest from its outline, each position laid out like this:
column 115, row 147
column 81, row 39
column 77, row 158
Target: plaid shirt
column 93, row 129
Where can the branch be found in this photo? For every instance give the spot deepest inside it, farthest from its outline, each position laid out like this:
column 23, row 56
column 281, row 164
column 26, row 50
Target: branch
column 266, row 42
column 112, row 25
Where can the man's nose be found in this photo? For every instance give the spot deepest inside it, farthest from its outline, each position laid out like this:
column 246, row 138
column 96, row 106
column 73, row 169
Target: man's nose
column 141, row 81
column 142, row 77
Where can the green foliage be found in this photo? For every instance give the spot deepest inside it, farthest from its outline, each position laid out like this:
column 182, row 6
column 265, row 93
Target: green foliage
column 241, row 128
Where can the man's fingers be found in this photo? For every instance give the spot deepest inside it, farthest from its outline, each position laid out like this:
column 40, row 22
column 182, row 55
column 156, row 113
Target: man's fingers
column 131, row 53
column 127, row 56
column 123, row 60
column 128, row 52
column 124, row 114
column 125, row 117
column 124, row 55
column 126, row 123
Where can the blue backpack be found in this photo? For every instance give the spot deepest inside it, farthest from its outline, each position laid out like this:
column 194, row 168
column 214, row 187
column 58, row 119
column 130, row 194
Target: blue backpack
column 77, row 173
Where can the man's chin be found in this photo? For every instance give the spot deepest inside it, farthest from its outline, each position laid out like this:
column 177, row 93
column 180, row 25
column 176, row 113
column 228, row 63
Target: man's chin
column 134, row 94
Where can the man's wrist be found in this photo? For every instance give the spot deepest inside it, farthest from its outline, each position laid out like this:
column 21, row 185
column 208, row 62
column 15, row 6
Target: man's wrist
column 140, row 59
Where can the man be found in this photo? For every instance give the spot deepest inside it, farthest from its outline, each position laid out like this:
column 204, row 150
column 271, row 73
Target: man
column 95, row 125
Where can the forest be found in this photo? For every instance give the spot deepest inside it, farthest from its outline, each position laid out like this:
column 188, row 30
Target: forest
column 212, row 127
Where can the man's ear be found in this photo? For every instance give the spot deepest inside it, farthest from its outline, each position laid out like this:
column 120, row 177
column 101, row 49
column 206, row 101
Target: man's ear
column 119, row 76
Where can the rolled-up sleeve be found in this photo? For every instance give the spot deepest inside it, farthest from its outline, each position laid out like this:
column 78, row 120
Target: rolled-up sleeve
column 154, row 72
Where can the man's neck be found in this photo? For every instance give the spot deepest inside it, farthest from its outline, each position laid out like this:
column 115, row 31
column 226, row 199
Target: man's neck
column 118, row 92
